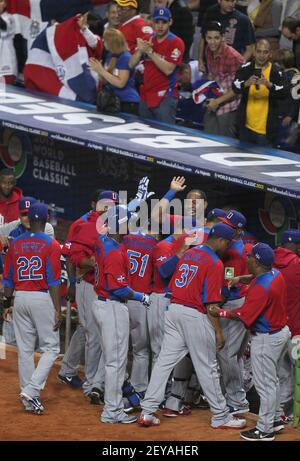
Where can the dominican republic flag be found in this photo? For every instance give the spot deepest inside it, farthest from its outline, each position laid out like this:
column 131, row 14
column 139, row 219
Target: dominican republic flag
column 206, row 89
column 46, row 10
column 58, row 63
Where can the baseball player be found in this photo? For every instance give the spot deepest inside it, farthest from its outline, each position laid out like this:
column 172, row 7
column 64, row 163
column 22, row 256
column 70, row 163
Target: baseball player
column 288, row 263
column 264, row 312
column 235, row 333
column 196, row 205
column 139, row 247
column 17, row 228
column 112, row 318
column 71, row 361
column 32, row 269
column 195, row 285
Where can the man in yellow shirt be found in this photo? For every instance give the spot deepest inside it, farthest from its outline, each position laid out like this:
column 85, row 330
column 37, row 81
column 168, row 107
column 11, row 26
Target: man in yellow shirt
column 261, row 84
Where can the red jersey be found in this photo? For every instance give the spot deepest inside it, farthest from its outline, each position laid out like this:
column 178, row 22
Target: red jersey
column 66, row 249
column 289, row 265
column 265, row 306
column 198, row 278
column 140, row 248
column 9, row 208
column 32, row 263
column 158, row 85
column 164, row 250
column 83, row 244
column 111, row 267
column 134, row 28
column 235, row 264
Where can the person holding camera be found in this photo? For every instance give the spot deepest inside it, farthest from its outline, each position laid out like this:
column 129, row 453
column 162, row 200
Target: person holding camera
column 118, row 77
column 261, row 85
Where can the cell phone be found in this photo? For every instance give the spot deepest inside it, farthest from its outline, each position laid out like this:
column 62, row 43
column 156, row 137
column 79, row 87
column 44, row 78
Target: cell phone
column 257, row 73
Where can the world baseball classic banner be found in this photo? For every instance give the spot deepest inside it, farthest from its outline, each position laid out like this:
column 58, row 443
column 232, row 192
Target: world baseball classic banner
column 62, row 151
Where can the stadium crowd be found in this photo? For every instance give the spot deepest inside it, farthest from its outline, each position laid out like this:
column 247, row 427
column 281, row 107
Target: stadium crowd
column 228, row 67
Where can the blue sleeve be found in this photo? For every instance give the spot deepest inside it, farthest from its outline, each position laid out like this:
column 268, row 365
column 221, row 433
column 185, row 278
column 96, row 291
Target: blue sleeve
column 168, row 267
column 124, row 293
column 9, row 280
column 49, row 275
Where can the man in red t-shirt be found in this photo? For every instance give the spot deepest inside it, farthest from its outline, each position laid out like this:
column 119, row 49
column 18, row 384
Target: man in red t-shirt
column 9, row 197
column 133, row 26
column 288, row 262
column 162, row 55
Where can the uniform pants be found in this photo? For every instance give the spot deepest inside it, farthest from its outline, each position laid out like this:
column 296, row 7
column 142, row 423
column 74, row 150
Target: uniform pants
column 72, row 357
column 140, row 345
column 286, row 375
column 94, row 369
column 188, row 331
column 156, row 322
column 34, row 317
column 112, row 319
column 266, row 353
column 236, row 339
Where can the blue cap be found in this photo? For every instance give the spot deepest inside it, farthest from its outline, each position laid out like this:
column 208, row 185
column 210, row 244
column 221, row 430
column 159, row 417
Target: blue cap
column 109, row 195
column 38, row 212
column 291, row 236
column 222, row 231
column 234, row 219
column 263, row 253
column 162, row 13
column 25, row 203
column 216, row 213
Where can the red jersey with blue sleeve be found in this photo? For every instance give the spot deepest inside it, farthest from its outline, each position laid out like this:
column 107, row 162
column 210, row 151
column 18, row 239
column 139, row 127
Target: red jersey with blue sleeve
column 133, row 29
column 72, row 231
column 140, row 248
column 235, row 264
column 164, row 250
column 32, row 263
column 158, row 85
column 198, row 278
column 111, row 267
column 265, row 306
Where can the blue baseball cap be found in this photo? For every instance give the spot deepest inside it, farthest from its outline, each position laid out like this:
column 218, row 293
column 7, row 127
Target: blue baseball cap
column 25, row 203
column 216, row 213
column 38, row 212
column 263, row 253
column 222, row 231
column 109, row 195
column 234, row 219
column 162, row 13
column 291, row 236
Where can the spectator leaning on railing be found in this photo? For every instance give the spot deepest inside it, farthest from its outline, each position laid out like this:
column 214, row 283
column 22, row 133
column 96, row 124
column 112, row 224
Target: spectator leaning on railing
column 261, row 84
column 116, row 71
column 291, row 30
column 222, row 64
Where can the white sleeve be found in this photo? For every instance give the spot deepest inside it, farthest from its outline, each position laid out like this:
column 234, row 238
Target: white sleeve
column 6, row 229
column 91, row 38
column 49, row 230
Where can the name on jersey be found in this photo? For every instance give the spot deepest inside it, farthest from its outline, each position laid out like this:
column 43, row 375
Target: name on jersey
column 197, row 257
column 30, row 247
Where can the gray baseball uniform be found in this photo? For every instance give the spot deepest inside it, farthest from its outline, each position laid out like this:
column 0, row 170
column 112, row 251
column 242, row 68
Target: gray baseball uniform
column 188, row 331
column 72, row 357
column 156, row 321
column 34, row 317
column 94, row 367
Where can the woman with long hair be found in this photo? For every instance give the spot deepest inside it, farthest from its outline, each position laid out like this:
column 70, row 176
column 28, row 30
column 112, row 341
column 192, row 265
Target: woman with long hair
column 116, row 72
